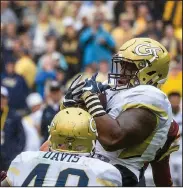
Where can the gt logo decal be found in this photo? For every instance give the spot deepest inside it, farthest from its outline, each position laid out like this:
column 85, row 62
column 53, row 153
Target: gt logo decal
column 93, row 129
column 149, row 50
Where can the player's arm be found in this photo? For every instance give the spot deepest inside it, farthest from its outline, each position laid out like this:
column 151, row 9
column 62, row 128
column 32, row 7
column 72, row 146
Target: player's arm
column 159, row 168
column 45, row 146
column 131, row 127
column 161, row 163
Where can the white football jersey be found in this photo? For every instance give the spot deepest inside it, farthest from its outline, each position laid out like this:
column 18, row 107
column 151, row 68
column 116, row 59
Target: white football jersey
column 61, row 169
column 144, row 96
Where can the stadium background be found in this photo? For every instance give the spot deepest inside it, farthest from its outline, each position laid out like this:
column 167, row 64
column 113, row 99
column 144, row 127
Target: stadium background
column 42, row 41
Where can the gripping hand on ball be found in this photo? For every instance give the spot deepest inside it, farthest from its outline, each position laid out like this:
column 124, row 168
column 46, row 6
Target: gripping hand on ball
column 72, row 96
column 91, row 90
column 93, row 86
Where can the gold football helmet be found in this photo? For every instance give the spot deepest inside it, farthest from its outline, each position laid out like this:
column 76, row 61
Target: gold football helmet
column 72, row 130
column 139, row 61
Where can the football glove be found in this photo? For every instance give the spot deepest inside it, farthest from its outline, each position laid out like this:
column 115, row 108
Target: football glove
column 91, row 90
column 93, row 86
column 72, row 96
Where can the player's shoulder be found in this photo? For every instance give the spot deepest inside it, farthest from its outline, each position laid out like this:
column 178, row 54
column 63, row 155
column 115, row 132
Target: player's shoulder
column 27, row 156
column 147, row 90
column 147, row 96
column 96, row 163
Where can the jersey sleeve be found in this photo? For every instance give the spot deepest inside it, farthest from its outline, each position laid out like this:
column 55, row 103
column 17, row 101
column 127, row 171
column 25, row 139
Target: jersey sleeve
column 172, row 143
column 150, row 98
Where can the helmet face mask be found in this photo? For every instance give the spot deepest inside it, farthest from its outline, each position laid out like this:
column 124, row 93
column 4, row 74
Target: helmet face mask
column 139, row 61
column 122, row 72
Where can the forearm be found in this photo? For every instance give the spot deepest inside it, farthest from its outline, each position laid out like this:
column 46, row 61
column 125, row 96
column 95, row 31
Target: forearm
column 159, row 168
column 45, row 146
column 109, row 131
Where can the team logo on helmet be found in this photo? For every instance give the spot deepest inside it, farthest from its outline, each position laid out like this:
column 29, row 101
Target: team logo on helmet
column 149, row 50
column 93, row 126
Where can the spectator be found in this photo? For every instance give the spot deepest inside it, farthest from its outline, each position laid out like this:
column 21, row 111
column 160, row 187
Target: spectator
column 174, row 80
column 170, row 42
column 51, row 50
column 75, row 11
column 57, row 20
column 103, row 70
column 53, row 107
column 98, row 44
column 17, row 88
column 46, row 73
column 18, row 7
column 25, row 40
column 89, row 70
column 159, row 28
column 175, row 100
column 25, row 66
column 7, row 14
column 85, row 24
column 123, row 32
column 48, row 6
column 69, row 47
column 8, row 40
column 122, row 7
column 159, row 7
column 101, row 7
column 30, row 13
column 60, row 76
column 12, row 133
column 32, row 122
column 151, row 31
column 42, row 28
column 140, row 24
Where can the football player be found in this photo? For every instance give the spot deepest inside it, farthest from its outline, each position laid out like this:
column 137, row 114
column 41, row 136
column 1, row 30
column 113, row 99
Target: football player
column 69, row 160
column 160, row 165
column 134, row 126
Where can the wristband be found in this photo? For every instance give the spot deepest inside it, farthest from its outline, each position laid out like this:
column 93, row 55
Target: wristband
column 93, row 104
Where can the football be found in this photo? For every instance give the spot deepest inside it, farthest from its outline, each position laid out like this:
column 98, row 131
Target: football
column 103, row 100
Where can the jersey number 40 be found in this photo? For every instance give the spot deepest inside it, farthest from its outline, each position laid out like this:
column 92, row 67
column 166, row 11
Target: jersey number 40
column 40, row 172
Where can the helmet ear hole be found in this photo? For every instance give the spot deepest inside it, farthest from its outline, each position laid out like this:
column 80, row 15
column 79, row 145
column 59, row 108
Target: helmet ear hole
column 144, row 79
column 151, row 73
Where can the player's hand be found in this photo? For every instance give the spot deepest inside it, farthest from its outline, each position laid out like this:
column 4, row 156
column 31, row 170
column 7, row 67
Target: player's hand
column 72, row 96
column 93, row 86
column 2, row 175
column 91, row 90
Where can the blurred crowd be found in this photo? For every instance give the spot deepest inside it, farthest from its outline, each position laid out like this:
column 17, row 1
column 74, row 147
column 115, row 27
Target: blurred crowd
column 45, row 44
